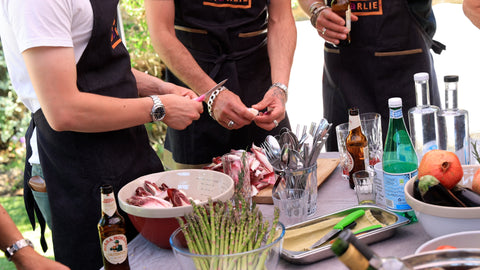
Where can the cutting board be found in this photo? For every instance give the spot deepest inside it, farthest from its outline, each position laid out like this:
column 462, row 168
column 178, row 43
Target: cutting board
column 325, row 166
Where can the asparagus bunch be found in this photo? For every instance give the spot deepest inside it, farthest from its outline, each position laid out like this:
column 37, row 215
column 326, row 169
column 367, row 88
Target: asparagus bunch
column 220, row 228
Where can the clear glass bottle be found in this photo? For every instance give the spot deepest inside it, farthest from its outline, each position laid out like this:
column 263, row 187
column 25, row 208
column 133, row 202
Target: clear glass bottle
column 111, row 230
column 423, row 118
column 453, row 130
column 348, row 239
column 400, row 161
column 356, row 144
column 342, row 8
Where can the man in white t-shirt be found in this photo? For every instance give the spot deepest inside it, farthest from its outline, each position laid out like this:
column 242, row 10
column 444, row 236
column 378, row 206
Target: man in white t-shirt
column 70, row 68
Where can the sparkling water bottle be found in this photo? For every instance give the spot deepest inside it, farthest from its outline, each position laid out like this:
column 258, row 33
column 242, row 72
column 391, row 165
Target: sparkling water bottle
column 400, row 161
column 423, row 118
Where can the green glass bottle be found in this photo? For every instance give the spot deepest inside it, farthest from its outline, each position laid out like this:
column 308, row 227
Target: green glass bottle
column 346, row 237
column 400, row 162
column 350, row 256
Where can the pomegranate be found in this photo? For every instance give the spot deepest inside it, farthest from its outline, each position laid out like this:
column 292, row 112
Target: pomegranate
column 476, row 182
column 442, row 164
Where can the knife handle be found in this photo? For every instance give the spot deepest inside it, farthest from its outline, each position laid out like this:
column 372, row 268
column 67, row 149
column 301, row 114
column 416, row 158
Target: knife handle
column 349, row 219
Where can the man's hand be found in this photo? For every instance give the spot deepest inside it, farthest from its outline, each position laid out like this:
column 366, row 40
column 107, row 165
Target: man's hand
column 230, row 112
column 331, row 27
column 180, row 111
column 274, row 103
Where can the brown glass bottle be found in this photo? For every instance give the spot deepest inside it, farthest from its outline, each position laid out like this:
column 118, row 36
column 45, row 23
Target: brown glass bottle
column 111, row 229
column 356, row 144
column 342, row 9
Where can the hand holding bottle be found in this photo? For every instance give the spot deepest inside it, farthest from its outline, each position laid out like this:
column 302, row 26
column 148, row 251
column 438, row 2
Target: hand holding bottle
column 332, row 24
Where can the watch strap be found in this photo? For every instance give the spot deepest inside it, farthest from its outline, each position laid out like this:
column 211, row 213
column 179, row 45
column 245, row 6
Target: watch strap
column 11, row 250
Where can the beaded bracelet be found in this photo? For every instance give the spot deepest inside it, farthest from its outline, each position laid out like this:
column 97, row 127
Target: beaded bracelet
column 282, row 87
column 212, row 98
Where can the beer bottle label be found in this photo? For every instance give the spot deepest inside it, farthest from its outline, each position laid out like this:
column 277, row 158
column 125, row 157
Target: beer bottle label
column 115, row 248
column 348, row 18
column 109, row 206
column 349, row 162
column 353, row 259
column 353, row 123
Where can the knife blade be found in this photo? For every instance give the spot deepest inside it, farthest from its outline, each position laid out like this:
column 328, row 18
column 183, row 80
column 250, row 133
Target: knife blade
column 347, row 220
column 202, row 97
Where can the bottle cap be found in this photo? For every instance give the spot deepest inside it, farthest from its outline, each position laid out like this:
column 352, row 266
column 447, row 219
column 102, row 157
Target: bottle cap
column 421, row 76
column 395, row 102
column 450, row 78
column 105, row 189
column 353, row 111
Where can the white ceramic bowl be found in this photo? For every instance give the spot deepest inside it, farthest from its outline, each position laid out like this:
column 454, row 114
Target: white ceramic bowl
column 157, row 224
column 461, row 240
column 441, row 220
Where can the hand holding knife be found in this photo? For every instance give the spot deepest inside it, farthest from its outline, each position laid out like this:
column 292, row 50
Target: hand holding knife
column 202, row 97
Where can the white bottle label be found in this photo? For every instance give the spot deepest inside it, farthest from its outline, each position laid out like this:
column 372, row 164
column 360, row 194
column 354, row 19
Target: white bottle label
column 348, row 18
column 109, row 206
column 354, row 122
column 394, row 184
column 115, row 248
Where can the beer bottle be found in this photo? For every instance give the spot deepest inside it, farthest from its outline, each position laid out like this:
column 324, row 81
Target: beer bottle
column 356, row 144
column 111, row 229
column 342, row 9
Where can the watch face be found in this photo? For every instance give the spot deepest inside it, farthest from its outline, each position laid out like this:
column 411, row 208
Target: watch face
column 159, row 113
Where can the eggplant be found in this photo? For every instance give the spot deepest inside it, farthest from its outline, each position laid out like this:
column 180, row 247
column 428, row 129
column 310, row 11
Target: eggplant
column 416, row 191
column 469, row 197
column 433, row 192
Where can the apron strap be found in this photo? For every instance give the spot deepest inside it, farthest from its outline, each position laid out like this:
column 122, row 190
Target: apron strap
column 438, row 47
column 30, row 204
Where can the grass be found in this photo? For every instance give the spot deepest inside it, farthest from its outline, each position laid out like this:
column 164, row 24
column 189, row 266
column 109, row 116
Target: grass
column 16, row 209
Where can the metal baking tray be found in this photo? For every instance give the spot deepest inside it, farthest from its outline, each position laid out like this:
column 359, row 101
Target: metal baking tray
column 306, row 257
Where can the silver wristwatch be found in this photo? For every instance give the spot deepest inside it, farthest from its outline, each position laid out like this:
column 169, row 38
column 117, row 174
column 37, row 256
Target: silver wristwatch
column 158, row 110
column 16, row 247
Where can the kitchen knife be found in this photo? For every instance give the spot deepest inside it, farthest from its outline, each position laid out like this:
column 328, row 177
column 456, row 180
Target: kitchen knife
column 339, row 227
column 202, row 97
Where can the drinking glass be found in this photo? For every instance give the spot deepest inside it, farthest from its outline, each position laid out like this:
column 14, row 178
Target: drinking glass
column 292, row 204
column 365, row 186
column 372, row 129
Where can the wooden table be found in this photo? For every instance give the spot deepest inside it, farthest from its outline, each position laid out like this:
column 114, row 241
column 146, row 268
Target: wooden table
column 333, row 195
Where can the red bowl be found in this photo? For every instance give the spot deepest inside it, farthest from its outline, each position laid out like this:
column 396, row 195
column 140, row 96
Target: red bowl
column 157, row 224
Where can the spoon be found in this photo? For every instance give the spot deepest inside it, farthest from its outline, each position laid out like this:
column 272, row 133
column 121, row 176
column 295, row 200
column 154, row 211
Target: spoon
column 274, row 146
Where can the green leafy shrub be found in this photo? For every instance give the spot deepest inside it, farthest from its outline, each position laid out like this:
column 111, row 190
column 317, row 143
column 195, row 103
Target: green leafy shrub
column 14, row 120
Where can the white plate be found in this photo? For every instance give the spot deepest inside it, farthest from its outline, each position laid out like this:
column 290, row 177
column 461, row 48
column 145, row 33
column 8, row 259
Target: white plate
column 469, row 239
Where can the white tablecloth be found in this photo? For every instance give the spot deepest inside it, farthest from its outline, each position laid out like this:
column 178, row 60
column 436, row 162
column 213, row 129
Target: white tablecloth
column 333, row 195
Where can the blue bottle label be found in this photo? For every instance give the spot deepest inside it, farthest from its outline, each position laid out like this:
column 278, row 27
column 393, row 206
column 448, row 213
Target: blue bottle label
column 396, row 113
column 394, row 184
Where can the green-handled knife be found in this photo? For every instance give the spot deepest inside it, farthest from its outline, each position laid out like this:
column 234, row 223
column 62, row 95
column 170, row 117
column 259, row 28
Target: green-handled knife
column 339, row 227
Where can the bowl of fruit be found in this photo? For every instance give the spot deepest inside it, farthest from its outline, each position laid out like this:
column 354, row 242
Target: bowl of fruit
column 154, row 202
column 444, row 194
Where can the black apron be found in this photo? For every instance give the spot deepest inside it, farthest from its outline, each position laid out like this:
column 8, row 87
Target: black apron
column 76, row 164
column 388, row 47
column 227, row 41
